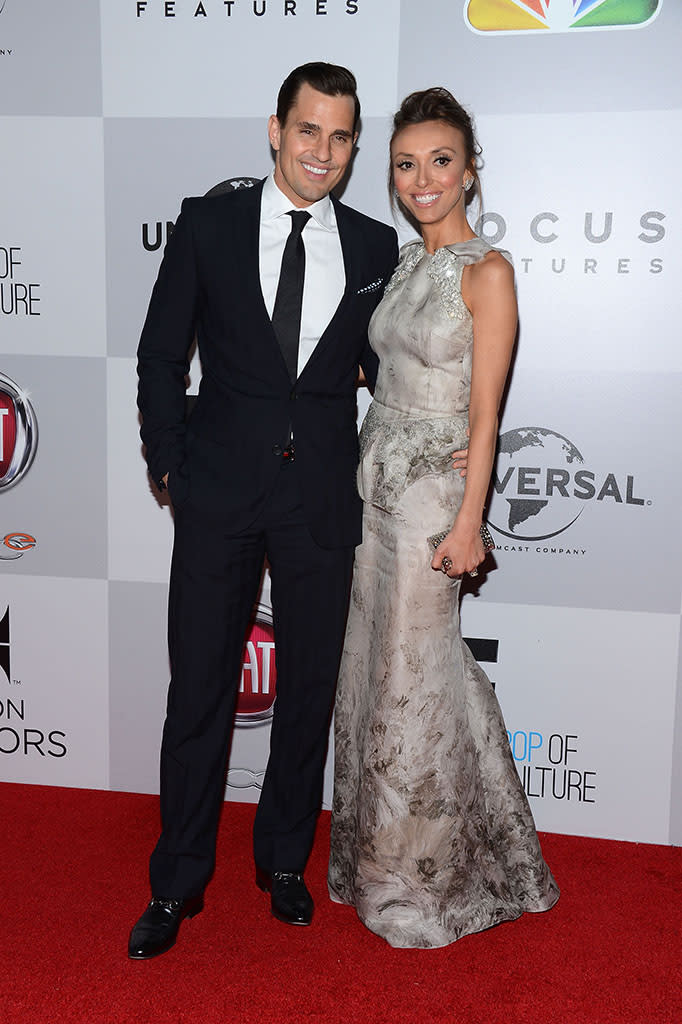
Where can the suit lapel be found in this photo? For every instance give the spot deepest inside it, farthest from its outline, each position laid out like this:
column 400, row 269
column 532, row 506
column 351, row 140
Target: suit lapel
column 250, row 292
column 248, row 238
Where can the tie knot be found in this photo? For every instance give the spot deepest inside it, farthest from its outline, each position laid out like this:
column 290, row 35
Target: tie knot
column 299, row 219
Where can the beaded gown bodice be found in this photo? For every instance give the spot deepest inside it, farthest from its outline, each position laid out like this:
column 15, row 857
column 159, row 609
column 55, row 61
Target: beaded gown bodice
column 422, row 332
column 425, row 358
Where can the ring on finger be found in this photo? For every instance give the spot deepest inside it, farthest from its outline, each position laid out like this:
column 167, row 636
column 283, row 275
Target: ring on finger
column 474, row 572
column 446, row 564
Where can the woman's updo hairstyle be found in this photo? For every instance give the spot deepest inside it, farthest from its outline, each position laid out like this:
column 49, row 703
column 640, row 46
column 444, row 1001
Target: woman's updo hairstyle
column 437, row 104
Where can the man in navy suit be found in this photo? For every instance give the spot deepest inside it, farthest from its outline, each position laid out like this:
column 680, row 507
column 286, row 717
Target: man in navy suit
column 278, row 284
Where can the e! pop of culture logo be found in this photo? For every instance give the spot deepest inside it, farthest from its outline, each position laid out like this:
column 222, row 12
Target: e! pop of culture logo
column 542, row 16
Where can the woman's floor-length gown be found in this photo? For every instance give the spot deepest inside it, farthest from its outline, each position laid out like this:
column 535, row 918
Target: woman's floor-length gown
column 432, row 835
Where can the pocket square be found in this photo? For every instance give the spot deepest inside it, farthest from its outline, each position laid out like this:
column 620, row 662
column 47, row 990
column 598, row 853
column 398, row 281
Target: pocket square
column 373, row 287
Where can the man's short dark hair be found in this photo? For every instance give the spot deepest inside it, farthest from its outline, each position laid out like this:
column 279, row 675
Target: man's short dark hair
column 330, row 79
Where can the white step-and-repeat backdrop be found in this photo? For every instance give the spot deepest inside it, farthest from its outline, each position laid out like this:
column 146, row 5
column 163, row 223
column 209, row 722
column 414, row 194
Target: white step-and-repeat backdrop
column 111, row 112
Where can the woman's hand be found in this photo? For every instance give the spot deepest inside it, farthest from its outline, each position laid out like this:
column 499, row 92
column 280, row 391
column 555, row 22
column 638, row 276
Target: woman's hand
column 461, row 551
column 459, row 460
column 460, row 457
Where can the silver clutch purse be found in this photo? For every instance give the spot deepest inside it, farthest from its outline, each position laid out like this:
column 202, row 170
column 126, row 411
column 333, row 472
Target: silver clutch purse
column 486, row 537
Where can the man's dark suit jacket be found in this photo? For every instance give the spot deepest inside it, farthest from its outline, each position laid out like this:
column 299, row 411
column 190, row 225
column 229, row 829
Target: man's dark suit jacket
column 225, row 459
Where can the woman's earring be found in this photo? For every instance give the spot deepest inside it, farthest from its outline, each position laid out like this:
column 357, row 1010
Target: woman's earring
column 467, row 184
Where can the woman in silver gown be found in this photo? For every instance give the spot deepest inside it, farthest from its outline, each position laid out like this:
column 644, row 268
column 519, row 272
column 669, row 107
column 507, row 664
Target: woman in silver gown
column 432, row 835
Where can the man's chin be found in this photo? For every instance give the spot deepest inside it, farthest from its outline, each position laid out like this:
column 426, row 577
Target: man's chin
column 311, row 193
column 313, row 189
column 302, row 190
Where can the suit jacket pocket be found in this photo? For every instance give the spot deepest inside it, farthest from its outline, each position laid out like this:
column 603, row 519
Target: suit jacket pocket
column 178, row 485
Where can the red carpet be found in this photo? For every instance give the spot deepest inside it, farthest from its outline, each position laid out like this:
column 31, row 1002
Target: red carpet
column 73, row 880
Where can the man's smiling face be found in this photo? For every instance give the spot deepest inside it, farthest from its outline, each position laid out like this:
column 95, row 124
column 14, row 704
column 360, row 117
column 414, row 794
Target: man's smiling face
column 314, row 146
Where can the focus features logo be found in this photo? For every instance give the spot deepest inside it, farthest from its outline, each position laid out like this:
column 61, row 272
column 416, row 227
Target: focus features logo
column 183, row 9
column 257, row 690
column 18, row 433
column 541, row 485
column 547, row 228
column 157, row 234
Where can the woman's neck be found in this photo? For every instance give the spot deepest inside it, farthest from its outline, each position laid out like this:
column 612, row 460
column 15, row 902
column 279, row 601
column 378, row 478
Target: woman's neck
column 435, row 236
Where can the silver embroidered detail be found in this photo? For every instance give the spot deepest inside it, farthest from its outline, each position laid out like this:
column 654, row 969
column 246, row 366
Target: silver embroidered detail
column 401, row 450
column 412, row 255
column 445, row 269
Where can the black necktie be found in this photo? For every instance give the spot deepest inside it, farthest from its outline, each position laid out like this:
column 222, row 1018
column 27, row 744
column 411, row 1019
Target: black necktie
column 286, row 315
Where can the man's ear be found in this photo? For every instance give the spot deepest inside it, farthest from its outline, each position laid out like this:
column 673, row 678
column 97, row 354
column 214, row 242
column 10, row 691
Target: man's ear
column 274, row 131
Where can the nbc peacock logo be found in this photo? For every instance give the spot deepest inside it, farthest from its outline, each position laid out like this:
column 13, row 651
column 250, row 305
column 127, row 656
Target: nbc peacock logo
column 542, row 16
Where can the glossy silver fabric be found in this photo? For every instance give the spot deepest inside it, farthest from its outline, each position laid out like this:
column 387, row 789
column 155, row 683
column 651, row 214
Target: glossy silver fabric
column 432, row 836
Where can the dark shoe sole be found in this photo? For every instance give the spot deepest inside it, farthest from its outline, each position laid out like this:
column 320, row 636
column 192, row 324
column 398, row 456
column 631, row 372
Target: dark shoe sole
column 288, row 920
column 150, row 956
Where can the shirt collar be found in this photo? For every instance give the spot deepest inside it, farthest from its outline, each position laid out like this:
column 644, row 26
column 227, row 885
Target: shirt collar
column 275, row 204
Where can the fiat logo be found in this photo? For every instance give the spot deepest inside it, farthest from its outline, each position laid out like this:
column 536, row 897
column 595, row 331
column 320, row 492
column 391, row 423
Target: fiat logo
column 256, row 697
column 18, row 433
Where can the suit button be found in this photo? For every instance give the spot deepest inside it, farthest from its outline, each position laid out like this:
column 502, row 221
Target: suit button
column 276, row 449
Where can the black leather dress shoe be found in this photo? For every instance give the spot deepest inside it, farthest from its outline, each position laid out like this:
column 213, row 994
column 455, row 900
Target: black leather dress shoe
column 157, row 929
column 290, row 900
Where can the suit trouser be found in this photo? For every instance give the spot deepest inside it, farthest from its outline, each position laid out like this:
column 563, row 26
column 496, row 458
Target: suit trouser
column 214, row 583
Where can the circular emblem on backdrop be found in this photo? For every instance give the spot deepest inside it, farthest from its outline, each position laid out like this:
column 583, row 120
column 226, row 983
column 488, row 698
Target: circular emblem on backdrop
column 232, row 185
column 534, row 492
column 18, row 433
column 257, row 692
column 17, row 543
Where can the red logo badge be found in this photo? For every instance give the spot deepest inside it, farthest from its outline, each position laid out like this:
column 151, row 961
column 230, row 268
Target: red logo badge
column 18, row 433
column 257, row 690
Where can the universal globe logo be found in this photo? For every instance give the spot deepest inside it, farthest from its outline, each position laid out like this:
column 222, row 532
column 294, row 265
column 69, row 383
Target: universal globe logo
column 541, row 485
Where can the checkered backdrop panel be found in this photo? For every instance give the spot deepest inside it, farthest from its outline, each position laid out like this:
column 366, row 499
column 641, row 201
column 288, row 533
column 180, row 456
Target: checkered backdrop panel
column 110, row 114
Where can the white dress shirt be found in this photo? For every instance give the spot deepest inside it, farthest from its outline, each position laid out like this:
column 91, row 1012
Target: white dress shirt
column 325, row 275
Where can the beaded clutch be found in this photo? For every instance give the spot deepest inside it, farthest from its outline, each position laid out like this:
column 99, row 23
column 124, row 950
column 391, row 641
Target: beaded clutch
column 486, row 537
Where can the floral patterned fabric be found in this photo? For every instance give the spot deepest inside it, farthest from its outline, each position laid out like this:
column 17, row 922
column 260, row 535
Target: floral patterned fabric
column 432, row 835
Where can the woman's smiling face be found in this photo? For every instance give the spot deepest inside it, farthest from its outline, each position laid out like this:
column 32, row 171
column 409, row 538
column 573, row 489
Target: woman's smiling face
column 430, row 170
